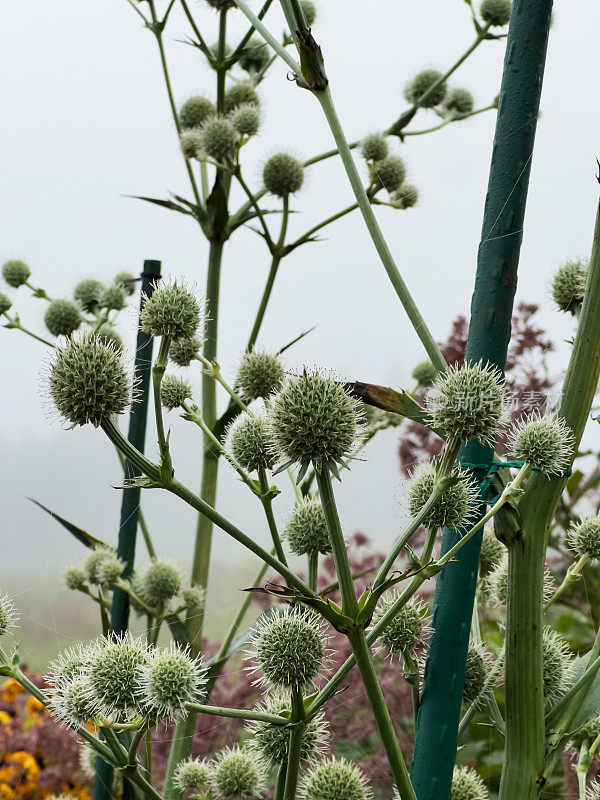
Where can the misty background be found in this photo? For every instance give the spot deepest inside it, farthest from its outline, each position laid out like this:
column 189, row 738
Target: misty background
column 86, row 122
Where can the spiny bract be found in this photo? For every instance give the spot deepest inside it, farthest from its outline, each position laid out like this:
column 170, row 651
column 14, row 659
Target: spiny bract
column 260, row 374
column 74, row 579
column 237, row 772
column 107, row 334
column 306, row 528
column 335, row 779
column 271, row 742
column 109, row 571
column 171, row 311
column 93, row 561
column 467, row 785
column 404, row 633
column 420, row 84
column 455, row 505
column 88, row 382
column 251, row 442
column 73, row 704
column 62, row 318
column 584, row 538
column 15, row 273
column 543, row 442
column 283, row 175
column 174, row 392
column 593, row 791
column 67, row 666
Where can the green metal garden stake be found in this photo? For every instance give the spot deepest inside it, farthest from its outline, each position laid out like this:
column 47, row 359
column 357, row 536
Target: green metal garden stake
column 489, row 335
column 119, row 618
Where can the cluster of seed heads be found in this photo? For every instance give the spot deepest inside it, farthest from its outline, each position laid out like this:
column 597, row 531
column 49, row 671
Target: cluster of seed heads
column 543, row 442
column 454, row 507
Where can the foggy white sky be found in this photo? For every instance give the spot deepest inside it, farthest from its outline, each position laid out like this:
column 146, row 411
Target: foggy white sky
column 86, row 122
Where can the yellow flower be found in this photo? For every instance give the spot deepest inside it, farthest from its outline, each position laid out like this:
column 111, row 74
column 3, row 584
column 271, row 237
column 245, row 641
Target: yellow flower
column 5, row 719
column 34, row 707
column 10, row 690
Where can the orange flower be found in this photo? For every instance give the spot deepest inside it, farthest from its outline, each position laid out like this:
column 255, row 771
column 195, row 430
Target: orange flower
column 10, row 690
column 34, row 707
column 5, row 719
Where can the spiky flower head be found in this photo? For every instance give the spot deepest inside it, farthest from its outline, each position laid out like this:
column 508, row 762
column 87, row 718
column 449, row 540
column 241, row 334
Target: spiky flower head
column 283, row 175
column 168, row 680
column 195, row 112
column 568, row 285
column 218, row 139
column 492, row 552
column 420, row 84
column 589, row 731
column 8, row 614
column 125, row 282
column 72, row 705
column 174, row 392
column 407, row 628
column 87, row 293
column 271, row 742
column 425, row 373
column 67, row 666
column 288, row 649
column 306, row 528
column 543, row 442
column 335, row 779
column 496, row 12
column 454, row 506
column 237, row 772
column 467, row 785
column 406, row 196
column 5, row 303
column 246, row 119
column 113, row 673
column 241, row 94
column 251, row 442
column 374, row 147
column 260, row 374
column 315, row 420
column 309, row 10
column 467, row 402
column 256, row 55
column 107, row 334
column 584, row 538
column 476, row 673
column 193, row 773
column 62, row 318
column 75, row 579
column 160, row 582
column 88, row 382
column 194, row 598
column 593, row 791
column 496, row 583
column 113, row 299
column 389, row 173
column 93, row 562
column 556, row 659
column 109, row 571
column 190, row 143
column 15, row 273
column 459, row 100
column 173, row 311
column 183, row 351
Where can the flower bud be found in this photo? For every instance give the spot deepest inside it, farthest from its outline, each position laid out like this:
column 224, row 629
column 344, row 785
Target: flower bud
column 309, row 10
column 406, row 196
column 124, row 280
column 75, row 579
column 192, row 774
column 8, row 614
column 389, row 173
column 271, row 742
column 5, row 303
column 15, row 273
column 237, row 772
column 168, row 680
column 256, row 55
column 183, row 351
column 174, row 392
column 246, row 120
column 218, row 139
column 195, row 112
column 459, row 100
column 113, row 672
column 251, row 442
column 306, row 528
column 190, row 142
column 476, row 673
column 241, row 94
column 62, row 318
column 406, row 630
column 93, row 562
column 283, row 175
column 113, row 299
column 420, row 84
column 584, row 538
column 545, row 443
column 467, row 785
column 87, row 293
column 171, row 311
column 109, row 571
column 568, row 285
column 556, row 660
column 496, row 12
column 260, row 374
column 425, row 373
column 194, row 598
column 374, row 147
column 455, row 505
column 160, row 582
column 335, row 779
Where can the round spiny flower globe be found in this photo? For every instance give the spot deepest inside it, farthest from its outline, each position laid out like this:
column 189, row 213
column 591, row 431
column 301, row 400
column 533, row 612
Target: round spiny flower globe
column 237, row 772
column 568, row 285
column 425, row 373
column 5, row 303
column 289, row 649
column 467, row 785
column 476, row 672
column 75, row 579
column 218, row 139
column 492, row 552
column 88, row 382
column 309, row 10
column 256, row 55
column 192, row 774
column 72, row 704
column 454, row 506
column 420, row 84
column 174, row 392
column 460, row 101
column 589, row 731
column 496, row 12
column 160, row 582
column 87, row 293
column 406, row 196
column 125, row 282
column 62, row 318
column 215, row 48
column 195, row 112
column 113, row 299
column 190, row 143
column 556, row 660
column 389, row 173
column 374, row 147
column 584, row 538
column 241, row 94
column 467, row 402
column 109, row 571
column 113, row 673
column 183, row 351
column 194, row 598
column 246, row 120
column 8, row 614
column 496, row 583
column 335, row 779
column 171, row 311
column 15, row 273
column 251, row 442
column 170, row 679
column 107, row 334
column 306, row 528
column 406, row 630
column 136, row 584
column 68, row 666
column 315, row 420
column 260, row 374
column 283, row 175
column 271, row 742
column 545, row 443
column 593, row 791
column 93, row 562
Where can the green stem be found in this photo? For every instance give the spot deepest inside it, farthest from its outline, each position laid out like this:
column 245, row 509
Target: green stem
column 573, row 575
column 238, row 713
column 255, row 206
column 280, row 782
column 14, row 323
column 158, row 371
column 268, row 37
column 267, row 502
column 294, row 745
column 313, row 570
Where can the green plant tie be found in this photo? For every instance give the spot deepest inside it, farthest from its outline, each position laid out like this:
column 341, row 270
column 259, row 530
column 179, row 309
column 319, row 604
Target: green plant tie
column 493, row 468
